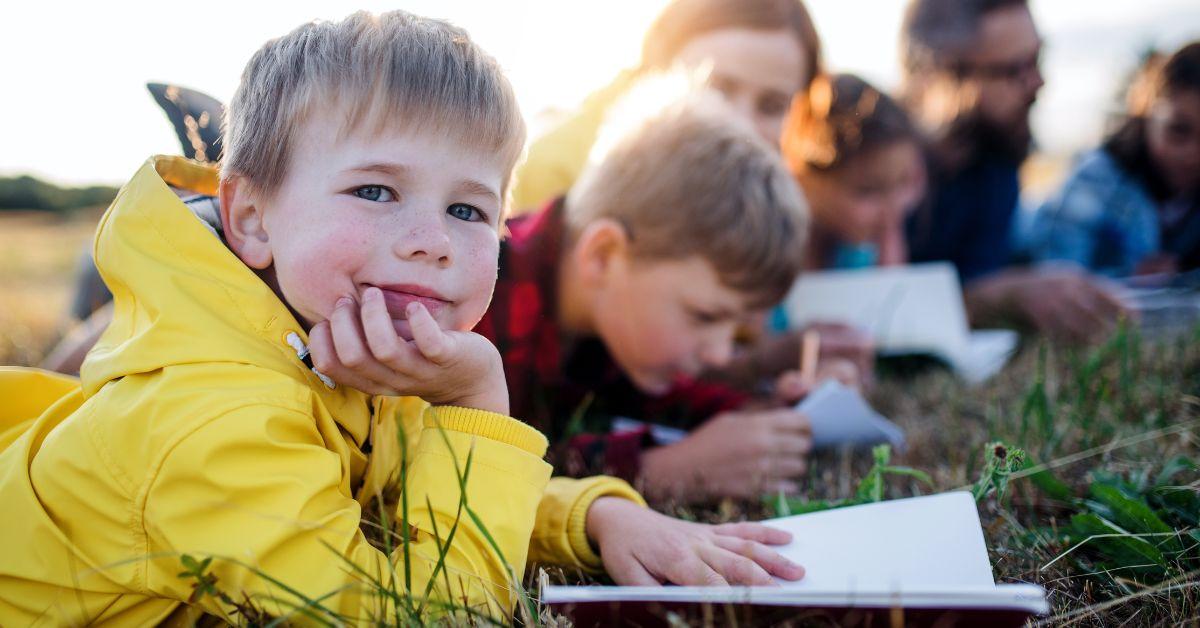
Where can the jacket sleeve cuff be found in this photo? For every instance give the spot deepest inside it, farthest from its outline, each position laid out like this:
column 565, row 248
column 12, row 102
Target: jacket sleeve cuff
column 498, row 427
column 600, row 486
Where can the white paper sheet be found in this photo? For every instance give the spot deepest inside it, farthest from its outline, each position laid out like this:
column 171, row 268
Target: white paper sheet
column 841, row 416
column 922, row 543
column 988, row 350
column 906, row 309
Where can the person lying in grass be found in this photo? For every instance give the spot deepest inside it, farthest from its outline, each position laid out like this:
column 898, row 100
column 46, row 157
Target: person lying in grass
column 858, row 158
column 367, row 162
column 612, row 300
column 1132, row 206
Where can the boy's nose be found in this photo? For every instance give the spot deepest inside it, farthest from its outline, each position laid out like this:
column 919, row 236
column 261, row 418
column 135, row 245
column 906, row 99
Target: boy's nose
column 427, row 241
column 717, row 352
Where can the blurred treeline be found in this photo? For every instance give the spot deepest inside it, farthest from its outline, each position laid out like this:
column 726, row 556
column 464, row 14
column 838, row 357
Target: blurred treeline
column 25, row 192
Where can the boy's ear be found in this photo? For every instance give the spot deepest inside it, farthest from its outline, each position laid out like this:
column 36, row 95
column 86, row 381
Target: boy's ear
column 242, row 221
column 600, row 244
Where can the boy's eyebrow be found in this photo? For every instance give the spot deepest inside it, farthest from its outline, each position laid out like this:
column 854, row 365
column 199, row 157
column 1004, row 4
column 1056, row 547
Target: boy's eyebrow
column 395, row 170
column 470, row 186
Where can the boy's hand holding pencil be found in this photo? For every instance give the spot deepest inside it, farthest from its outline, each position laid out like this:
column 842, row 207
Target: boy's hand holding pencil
column 793, row 386
column 743, row 454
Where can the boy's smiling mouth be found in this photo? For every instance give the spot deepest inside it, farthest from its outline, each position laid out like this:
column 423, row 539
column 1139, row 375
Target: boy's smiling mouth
column 397, row 297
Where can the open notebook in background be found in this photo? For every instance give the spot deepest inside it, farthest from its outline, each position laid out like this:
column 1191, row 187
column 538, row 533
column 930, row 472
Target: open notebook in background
column 1166, row 305
column 925, row 555
column 915, row 309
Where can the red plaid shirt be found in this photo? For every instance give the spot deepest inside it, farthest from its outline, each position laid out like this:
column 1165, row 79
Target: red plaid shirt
column 570, row 388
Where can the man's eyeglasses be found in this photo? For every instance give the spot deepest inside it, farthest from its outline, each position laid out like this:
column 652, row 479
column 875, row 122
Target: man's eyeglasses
column 1002, row 71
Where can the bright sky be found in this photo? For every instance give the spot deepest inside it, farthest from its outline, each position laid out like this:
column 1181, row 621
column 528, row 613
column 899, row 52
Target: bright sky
column 74, row 107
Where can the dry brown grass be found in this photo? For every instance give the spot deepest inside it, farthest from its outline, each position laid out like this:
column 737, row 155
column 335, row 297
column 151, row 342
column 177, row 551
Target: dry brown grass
column 38, row 255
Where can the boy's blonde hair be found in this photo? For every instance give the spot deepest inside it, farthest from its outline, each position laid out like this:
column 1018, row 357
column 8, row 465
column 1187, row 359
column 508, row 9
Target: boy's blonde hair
column 694, row 179
column 387, row 70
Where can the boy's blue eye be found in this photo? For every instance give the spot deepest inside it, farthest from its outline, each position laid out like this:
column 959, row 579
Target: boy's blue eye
column 469, row 213
column 374, row 193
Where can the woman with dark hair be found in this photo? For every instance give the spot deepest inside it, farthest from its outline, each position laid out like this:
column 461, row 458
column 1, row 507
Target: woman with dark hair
column 861, row 164
column 759, row 53
column 1132, row 206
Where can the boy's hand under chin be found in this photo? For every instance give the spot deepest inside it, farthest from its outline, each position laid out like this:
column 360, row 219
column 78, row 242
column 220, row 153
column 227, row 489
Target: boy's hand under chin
column 359, row 347
column 642, row 547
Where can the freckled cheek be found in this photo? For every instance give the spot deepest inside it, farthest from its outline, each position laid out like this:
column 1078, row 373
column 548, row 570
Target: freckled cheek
column 323, row 267
column 477, row 266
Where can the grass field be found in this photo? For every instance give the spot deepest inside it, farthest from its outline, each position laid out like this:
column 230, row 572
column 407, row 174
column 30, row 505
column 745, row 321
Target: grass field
column 1102, row 511
column 38, row 255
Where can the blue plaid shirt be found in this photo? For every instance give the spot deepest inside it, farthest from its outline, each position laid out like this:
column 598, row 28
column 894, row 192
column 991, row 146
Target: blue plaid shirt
column 1105, row 220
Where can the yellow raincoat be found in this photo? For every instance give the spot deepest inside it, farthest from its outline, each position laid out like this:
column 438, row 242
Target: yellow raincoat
column 196, row 428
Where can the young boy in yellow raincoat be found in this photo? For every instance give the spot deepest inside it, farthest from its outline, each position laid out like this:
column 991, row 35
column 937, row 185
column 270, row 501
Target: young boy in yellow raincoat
column 362, row 189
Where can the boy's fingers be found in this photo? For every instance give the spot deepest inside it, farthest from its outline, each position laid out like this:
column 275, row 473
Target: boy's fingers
column 792, row 445
column 385, row 344
column 791, row 387
column 754, row 532
column 736, row 568
column 842, row 370
column 772, row 562
column 347, row 335
column 792, row 421
column 433, row 343
column 625, row 570
column 324, row 359
column 692, row 571
column 361, row 369
column 320, row 346
column 777, row 468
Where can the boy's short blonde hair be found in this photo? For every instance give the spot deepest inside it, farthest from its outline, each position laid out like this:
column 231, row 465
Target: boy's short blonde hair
column 387, row 70
column 694, row 179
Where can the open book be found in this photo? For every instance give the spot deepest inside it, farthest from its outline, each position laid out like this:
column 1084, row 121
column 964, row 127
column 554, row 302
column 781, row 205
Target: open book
column 1162, row 311
column 914, row 309
column 921, row 559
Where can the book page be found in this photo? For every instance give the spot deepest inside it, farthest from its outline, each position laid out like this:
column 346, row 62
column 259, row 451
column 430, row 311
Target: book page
column 988, row 350
column 919, row 543
column 907, row 309
column 914, row 309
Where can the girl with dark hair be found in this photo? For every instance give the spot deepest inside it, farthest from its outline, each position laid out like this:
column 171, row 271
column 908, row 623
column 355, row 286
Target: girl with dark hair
column 1132, row 206
column 759, row 54
column 860, row 162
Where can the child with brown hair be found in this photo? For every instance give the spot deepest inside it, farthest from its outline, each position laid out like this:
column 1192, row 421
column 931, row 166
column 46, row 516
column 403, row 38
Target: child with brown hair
column 612, row 300
column 360, row 203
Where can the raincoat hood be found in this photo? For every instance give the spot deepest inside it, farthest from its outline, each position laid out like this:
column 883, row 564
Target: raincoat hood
column 170, row 275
